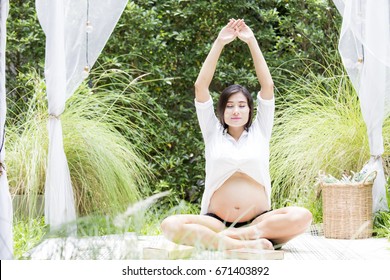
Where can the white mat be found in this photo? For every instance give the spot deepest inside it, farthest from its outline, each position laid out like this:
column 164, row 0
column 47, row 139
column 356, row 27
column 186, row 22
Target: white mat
column 309, row 247
column 129, row 246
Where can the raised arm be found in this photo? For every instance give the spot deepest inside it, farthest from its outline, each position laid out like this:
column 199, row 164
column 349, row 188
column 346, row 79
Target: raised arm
column 262, row 71
column 225, row 36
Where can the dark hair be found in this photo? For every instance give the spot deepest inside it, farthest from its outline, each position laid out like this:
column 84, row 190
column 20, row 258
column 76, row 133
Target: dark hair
column 223, row 99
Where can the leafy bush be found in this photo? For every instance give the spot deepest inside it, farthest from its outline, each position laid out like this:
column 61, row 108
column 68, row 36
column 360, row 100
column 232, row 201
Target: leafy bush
column 172, row 38
column 25, row 45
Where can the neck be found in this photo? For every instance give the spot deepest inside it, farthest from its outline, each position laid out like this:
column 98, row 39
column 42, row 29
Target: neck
column 235, row 132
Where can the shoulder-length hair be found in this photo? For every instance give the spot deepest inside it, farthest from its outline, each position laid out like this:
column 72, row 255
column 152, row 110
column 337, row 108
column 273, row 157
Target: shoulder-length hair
column 223, row 99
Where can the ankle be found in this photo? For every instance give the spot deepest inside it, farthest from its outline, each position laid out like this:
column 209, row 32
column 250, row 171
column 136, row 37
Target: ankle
column 256, row 233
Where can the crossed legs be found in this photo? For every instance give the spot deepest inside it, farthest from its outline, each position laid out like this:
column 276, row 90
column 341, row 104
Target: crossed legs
column 280, row 226
column 206, row 232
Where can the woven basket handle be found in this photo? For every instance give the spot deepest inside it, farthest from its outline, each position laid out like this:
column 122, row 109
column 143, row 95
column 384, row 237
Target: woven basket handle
column 321, row 172
column 368, row 175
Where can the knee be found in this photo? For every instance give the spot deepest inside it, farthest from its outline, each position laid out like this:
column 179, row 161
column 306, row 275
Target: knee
column 301, row 217
column 170, row 225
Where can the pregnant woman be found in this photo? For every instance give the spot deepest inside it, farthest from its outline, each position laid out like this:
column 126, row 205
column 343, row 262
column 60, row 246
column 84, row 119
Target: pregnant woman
column 235, row 209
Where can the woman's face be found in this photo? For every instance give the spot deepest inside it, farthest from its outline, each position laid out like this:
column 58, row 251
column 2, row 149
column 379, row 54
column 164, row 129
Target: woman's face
column 237, row 110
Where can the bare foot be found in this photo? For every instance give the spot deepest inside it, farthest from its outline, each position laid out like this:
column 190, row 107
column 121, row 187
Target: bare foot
column 246, row 233
column 243, row 240
column 232, row 233
column 229, row 243
column 260, row 243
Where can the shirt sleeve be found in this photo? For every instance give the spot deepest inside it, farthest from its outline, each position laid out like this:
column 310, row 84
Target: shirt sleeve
column 265, row 115
column 206, row 118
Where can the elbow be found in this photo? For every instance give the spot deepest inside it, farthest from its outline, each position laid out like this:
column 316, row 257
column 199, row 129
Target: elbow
column 196, row 85
column 200, row 87
column 269, row 85
column 201, row 92
column 267, row 90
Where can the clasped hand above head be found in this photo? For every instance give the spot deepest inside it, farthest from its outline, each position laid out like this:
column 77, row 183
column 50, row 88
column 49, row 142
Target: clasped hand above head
column 235, row 28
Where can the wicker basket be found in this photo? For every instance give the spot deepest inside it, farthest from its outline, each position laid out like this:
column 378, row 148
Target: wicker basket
column 347, row 210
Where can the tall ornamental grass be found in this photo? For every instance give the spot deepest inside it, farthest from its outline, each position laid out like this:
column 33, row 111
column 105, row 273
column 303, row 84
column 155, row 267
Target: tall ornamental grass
column 103, row 131
column 318, row 126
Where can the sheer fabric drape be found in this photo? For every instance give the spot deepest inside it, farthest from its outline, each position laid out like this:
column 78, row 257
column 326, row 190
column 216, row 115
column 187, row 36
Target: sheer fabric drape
column 365, row 50
column 76, row 32
column 6, row 213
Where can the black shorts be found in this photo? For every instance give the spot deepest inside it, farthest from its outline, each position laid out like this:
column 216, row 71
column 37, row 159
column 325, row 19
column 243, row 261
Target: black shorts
column 241, row 224
column 235, row 224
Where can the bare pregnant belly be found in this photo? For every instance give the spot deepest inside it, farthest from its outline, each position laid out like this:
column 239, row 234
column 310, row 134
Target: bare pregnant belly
column 239, row 199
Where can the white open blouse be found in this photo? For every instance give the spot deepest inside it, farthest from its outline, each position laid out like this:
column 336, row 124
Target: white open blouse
column 225, row 156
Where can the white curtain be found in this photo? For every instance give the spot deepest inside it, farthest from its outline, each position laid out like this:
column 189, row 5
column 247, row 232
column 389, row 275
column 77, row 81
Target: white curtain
column 76, row 32
column 6, row 213
column 365, row 50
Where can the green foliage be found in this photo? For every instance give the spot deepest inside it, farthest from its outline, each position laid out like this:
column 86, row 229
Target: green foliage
column 25, row 45
column 318, row 127
column 144, row 220
column 382, row 224
column 170, row 40
column 110, row 134
column 108, row 171
column 382, row 218
column 27, row 234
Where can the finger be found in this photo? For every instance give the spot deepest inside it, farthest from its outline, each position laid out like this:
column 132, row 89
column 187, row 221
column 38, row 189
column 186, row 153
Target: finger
column 243, row 25
column 235, row 23
column 239, row 25
column 239, row 21
column 230, row 24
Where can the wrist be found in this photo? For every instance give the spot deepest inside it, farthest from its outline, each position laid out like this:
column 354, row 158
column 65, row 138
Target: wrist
column 252, row 42
column 220, row 43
